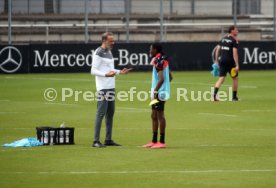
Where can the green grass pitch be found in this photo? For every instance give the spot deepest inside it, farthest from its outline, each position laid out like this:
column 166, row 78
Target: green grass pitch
column 224, row 144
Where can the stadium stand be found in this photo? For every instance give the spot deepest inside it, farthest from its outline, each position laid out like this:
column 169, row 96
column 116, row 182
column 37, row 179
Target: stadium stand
column 65, row 22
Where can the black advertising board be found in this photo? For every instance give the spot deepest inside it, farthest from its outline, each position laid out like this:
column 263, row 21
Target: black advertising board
column 58, row 58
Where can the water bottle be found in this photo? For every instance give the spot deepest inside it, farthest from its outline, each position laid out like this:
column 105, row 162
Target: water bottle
column 61, row 136
column 67, row 132
column 52, row 134
column 45, row 137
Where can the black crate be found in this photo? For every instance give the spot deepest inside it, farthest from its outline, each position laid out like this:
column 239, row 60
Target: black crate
column 55, row 136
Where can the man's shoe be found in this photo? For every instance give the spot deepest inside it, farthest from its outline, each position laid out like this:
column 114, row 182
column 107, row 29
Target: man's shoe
column 149, row 145
column 235, row 99
column 98, row 144
column 159, row 146
column 111, row 143
column 215, row 98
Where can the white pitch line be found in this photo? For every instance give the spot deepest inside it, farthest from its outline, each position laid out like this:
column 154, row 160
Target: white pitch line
column 149, row 128
column 226, row 145
column 206, row 84
column 132, row 110
column 213, row 146
column 145, row 172
column 214, row 114
column 12, row 112
column 257, row 110
column 40, row 148
column 128, row 108
column 51, row 79
column 125, row 111
column 244, row 86
column 4, row 100
column 178, row 147
column 192, row 129
column 14, row 128
column 187, row 83
column 64, row 104
column 126, row 81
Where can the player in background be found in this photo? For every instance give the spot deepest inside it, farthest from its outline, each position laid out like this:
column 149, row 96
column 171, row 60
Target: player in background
column 160, row 88
column 229, row 61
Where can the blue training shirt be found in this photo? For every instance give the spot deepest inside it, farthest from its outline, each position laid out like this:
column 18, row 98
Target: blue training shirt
column 160, row 63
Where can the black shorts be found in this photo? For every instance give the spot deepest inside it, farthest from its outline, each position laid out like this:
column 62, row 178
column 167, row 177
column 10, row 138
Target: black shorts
column 224, row 69
column 159, row 106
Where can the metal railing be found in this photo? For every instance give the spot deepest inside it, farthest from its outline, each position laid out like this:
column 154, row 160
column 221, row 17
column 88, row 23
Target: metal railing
column 220, row 25
column 128, row 8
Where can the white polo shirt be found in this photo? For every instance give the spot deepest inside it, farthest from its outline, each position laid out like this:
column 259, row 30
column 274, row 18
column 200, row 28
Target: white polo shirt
column 102, row 63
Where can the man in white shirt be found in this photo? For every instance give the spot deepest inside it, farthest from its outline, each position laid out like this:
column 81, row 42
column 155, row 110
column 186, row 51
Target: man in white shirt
column 104, row 71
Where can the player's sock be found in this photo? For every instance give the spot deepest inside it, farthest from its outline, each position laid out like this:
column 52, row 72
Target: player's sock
column 235, row 94
column 216, row 91
column 215, row 94
column 162, row 138
column 154, row 137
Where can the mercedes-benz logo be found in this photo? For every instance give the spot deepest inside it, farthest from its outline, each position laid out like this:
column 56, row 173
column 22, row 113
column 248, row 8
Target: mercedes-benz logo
column 10, row 59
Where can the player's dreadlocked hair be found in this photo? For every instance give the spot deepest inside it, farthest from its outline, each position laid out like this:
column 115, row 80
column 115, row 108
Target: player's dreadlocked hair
column 161, row 59
column 157, row 47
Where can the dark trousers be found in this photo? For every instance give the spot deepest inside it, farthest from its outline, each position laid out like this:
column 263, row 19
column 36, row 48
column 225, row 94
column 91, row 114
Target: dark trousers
column 105, row 108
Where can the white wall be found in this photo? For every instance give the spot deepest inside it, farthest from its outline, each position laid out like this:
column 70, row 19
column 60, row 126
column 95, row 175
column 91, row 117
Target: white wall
column 72, row 6
column 19, row 6
column 148, row 6
column 267, row 7
column 36, row 6
column 1, row 6
column 205, row 7
column 109, row 6
column 113, row 6
column 182, row 7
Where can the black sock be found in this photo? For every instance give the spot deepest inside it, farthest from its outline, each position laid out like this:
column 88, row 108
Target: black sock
column 234, row 94
column 154, row 137
column 216, row 91
column 162, row 138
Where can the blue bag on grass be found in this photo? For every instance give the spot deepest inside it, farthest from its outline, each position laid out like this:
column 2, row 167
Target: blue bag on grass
column 25, row 142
